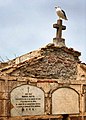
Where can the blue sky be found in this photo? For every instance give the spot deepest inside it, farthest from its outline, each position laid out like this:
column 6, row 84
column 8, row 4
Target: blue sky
column 27, row 25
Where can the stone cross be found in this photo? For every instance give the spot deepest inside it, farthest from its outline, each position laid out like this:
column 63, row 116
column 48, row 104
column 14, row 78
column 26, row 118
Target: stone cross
column 58, row 40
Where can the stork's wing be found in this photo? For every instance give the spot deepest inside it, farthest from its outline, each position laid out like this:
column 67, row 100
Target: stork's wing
column 64, row 13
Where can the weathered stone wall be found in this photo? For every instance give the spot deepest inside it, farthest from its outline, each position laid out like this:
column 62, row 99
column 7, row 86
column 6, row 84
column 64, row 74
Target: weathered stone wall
column 47, row 85
column 52, row 63
column 48, row 67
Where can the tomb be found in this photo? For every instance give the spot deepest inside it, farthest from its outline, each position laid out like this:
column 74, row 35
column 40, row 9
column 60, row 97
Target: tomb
column 49, row 83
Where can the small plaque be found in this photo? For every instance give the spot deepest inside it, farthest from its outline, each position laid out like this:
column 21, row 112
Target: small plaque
column 27, row 100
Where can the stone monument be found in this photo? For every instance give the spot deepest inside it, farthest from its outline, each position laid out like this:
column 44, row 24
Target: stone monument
column 49, row 83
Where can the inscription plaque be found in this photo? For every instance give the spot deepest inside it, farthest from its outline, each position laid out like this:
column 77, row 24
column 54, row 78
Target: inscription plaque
column 27, row 100
column 65, row 101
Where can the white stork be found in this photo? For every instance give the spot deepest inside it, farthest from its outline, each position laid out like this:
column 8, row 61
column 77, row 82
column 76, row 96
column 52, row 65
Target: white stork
column 60, row 13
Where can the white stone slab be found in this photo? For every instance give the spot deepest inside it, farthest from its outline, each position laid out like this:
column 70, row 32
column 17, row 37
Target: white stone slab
column 27, row 100
column 65, row 101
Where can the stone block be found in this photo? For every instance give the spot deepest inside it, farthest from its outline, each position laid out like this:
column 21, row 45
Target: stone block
column 4, row 95
column 3, row 108
column 2, row 86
